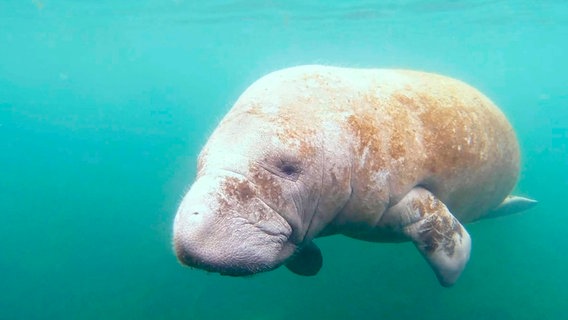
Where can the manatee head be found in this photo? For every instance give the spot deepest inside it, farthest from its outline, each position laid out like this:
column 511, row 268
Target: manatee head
column 222, row 225
column 256, row 191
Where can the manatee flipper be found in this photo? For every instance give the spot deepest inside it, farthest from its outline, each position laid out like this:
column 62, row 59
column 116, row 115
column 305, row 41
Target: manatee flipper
column 437, row 234
column 511, row 205
column 306, row 262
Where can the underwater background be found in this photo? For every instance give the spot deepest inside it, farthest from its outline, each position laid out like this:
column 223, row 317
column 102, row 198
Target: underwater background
column 104, row 106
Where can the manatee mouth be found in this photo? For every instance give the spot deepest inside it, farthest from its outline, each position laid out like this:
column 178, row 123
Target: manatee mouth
column 226, row 268
column 236, row 264
column 237, row 261
column 196, row 263
column 240, row 249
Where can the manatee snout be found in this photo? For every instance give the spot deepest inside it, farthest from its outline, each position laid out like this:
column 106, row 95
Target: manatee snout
column 225, row 257
column 218, row 232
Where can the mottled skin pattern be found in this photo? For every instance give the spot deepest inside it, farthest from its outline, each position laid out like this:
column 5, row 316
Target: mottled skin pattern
column 314, row 150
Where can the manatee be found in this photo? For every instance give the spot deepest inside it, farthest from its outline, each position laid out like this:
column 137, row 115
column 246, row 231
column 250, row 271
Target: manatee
column 373, row 154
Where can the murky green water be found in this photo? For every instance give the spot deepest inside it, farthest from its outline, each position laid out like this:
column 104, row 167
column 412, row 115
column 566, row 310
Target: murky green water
column 105, row 104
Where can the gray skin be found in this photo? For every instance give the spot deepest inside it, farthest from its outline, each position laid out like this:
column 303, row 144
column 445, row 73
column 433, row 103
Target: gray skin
column 377, row 155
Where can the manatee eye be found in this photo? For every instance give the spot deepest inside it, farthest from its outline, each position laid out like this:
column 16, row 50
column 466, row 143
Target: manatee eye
column 290, row 169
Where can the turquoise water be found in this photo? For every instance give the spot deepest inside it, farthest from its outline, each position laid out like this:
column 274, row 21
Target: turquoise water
column 104, row 106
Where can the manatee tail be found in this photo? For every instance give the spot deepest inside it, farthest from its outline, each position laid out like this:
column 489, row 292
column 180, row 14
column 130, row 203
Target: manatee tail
column 511, row 205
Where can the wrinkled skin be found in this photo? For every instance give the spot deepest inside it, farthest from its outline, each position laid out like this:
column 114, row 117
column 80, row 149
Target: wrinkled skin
column 313, row 151
column 251, row 203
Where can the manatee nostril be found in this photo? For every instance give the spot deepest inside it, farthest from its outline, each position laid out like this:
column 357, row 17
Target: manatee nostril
column 195, row 213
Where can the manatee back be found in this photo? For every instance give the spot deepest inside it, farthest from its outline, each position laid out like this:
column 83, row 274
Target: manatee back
column 441, row 134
